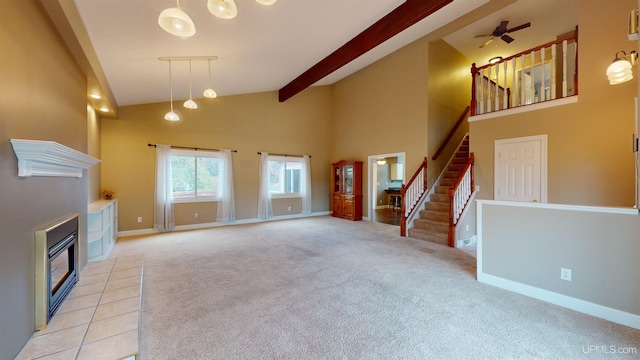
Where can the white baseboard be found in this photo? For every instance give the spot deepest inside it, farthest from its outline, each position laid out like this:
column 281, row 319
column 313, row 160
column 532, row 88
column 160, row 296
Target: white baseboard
column 216, row 224
column 603, row 312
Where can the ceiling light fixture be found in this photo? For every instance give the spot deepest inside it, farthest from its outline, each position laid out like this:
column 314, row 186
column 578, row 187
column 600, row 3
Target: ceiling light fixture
column 494, row 60
column 171, row 116
column 176, row 22
column 190, row 104
column 381, row 161
column 620, row 69
column 209, row 92
column 224, row 9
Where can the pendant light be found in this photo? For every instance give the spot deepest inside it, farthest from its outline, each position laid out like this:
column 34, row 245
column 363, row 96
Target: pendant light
column 224, row 9
column 176, row 22
column 209, row 92
column 171, row 116
column 190, row 104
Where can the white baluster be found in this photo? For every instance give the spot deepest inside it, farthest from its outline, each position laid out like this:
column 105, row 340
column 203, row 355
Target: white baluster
column 489, row 89
column 515, row 93
column 523, row 98
column 497, row 87
column 505, row 97
column 553, row 73
column 533, row 77
column 564, row 68
column 543, row 92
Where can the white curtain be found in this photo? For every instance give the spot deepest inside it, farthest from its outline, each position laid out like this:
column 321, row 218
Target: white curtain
column 265, row 211
column 163, row 219
column 227, row 203
column 305, row 186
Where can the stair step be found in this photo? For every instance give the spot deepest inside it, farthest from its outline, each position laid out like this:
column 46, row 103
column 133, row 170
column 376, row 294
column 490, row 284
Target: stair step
column 439, row 197
column 459, row 160
column 448, row 181
column 442, row 189
column 438, row 227
column 455, row 167
column 422, row 234
column 434, row 215
column 437, row 206
column 451, row 174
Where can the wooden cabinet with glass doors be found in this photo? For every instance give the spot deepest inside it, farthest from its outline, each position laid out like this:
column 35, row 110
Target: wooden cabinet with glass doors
column 346, row 194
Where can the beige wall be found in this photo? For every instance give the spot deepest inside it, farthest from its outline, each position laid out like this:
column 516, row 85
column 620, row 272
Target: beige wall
column 43, row 98
column 383, row 109
column 604, row 267
column 589, row 143
column 246, row 123
column 449, row 95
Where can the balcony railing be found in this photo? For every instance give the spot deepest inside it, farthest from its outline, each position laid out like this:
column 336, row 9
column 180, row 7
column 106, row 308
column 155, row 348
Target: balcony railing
column 546, row 72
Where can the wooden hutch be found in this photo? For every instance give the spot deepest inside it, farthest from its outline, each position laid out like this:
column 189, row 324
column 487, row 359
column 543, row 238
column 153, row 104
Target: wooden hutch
column 346, row 195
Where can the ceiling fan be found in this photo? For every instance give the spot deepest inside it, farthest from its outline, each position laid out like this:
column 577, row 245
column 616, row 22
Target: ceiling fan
column 501, row 32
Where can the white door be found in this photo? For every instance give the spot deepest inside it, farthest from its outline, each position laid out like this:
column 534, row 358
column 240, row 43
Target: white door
column 521, row 169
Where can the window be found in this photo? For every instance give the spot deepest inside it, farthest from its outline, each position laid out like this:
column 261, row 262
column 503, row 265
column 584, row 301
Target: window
column 285, row 176
column 196, row 175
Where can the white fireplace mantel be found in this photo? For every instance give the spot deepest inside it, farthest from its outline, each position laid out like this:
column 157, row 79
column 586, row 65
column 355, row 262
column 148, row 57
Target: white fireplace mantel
column 48, row 158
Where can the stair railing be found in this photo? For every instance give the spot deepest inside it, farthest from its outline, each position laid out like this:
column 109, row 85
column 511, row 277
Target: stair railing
column 459, row 195
column 451, row 133
column 411, row 193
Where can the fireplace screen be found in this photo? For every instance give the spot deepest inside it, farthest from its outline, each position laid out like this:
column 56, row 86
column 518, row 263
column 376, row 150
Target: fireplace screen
column 56, row 267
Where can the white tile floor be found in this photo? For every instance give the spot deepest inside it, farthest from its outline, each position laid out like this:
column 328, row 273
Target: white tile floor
column 100, row 317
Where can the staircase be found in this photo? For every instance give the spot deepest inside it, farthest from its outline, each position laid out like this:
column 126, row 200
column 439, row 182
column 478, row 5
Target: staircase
column 433, row 224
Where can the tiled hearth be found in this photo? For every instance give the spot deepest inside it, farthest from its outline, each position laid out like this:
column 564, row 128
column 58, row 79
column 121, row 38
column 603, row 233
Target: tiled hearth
column 100, row 317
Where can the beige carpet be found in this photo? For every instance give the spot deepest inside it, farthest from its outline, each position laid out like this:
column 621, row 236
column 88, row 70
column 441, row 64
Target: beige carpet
column 325, row 288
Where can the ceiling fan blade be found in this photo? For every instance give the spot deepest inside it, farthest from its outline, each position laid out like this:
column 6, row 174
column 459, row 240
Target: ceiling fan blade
column 487, row 42
column 502, row 27
column 508, row 39
column 519, row 27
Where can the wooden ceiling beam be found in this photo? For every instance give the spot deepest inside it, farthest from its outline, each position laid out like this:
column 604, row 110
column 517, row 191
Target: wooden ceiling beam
column 390, row 25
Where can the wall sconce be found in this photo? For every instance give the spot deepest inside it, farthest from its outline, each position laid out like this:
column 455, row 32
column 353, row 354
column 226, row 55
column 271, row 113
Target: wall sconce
column 633, row 25
column 381, row 161
column 620, row 69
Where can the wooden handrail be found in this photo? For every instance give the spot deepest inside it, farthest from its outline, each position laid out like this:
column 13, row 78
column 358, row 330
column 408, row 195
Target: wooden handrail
column 403, row 191
column 450, row 135
column 557, row 41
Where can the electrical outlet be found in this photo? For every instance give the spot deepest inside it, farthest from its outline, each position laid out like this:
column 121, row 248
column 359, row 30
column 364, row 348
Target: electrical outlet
column 477, row 187
column 565, row 274
column 289, row 208
column 196, row 215
column 139, row 218
column 467, row 227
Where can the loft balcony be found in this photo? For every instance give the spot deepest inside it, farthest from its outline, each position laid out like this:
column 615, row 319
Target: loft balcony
column 544, row 73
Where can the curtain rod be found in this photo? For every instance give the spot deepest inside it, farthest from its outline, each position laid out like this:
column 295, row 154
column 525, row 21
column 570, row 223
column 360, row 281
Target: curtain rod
column 191, row 148
column 285, row 155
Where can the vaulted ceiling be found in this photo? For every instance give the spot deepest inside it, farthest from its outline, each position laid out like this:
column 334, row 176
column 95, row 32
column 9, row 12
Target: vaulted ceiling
column 286, row 46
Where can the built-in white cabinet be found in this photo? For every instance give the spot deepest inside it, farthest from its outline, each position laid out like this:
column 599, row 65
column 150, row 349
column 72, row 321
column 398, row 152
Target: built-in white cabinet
column 102, row 228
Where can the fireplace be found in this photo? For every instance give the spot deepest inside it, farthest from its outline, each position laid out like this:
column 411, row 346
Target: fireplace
column 56, row 267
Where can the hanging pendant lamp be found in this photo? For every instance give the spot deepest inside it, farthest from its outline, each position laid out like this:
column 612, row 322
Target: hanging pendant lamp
column 176, row 22
column 209, row 92
column 190, row 104
column 224, row 9
column 171, row 116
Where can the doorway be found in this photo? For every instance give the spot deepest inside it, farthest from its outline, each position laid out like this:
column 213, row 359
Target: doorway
column 521, row 169
column 386, row 174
